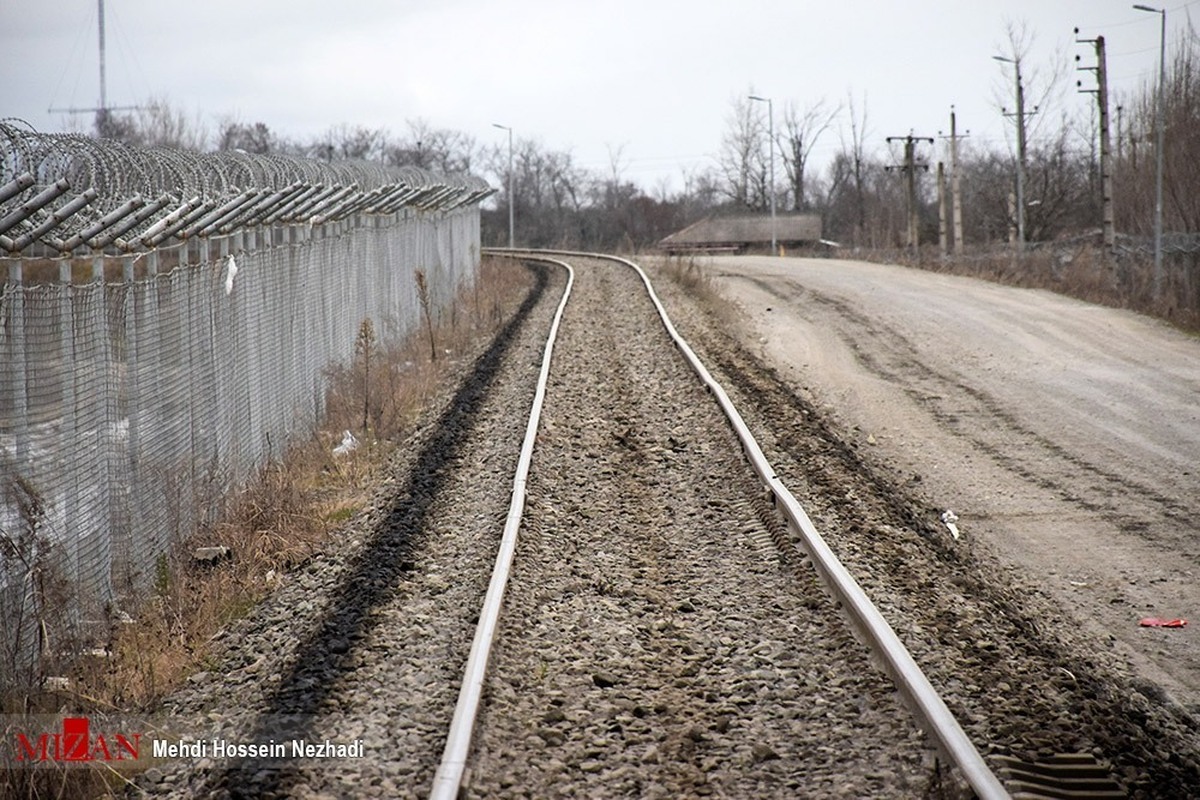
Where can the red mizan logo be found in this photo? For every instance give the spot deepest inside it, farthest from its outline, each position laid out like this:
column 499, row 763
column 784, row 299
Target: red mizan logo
column 76, row 744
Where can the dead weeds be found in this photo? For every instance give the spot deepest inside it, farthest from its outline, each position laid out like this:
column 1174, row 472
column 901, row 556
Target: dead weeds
column 1084, row 271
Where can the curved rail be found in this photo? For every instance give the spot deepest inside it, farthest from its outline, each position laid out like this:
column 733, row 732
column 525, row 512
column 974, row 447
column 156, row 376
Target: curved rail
column 923, row 699
column 458, row 742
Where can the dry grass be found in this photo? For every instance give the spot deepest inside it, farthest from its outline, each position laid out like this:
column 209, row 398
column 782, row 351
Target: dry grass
column 273, row 526
column 1083, row 271
column 696, row 280
column 685, row 272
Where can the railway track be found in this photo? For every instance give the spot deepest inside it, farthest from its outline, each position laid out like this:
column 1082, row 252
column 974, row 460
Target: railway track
column 654, row 643
column 657, row 627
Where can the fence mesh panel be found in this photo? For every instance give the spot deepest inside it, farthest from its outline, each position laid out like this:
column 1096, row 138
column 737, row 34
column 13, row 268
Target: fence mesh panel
column 128, row 410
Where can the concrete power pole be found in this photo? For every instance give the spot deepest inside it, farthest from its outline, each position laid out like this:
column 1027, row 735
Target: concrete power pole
column 1120, row 147
column 909, row 168
column 941, row 189
column 1106, row 162
column 1020, row 161
column 1020, row 117
column 955, row 182
column 1101, row 92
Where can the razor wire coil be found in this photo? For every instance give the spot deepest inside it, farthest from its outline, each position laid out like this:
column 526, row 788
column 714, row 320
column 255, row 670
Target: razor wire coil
column 116, row 173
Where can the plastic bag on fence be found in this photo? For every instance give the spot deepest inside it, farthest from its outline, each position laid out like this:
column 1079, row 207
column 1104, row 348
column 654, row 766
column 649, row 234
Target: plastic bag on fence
column 231, row 271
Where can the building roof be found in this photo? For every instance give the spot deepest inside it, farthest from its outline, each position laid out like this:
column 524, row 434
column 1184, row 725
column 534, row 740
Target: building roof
column 746, row 230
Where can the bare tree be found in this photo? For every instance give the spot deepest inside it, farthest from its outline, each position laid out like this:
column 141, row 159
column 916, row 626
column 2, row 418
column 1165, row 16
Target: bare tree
column 1043, row 82
column 122, row 127
column 355, row 142
column 612, row 194
column 855, row 164
column 800, row 133
column 161, row 125
column 1040, row 87
column 437, row 149
column 254, row 138
column 742, row 159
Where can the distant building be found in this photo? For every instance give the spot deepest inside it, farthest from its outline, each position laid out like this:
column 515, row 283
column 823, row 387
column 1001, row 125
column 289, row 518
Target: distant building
column 739, row 234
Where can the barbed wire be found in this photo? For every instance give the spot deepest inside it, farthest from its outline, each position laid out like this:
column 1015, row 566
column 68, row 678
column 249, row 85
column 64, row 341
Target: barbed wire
column 67, row 192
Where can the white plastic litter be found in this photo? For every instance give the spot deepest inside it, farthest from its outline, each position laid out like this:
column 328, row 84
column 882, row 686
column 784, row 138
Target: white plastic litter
column 349, row 444
column 231, row 270
column 948, row 519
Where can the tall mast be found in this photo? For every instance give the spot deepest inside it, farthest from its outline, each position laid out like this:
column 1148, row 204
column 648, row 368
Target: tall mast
column 103, row 89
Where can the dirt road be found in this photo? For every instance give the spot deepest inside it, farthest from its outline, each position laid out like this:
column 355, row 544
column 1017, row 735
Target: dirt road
column 1065, row 436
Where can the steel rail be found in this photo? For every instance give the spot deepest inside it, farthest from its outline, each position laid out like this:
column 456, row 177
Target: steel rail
column 458, row 741
column 925, row 702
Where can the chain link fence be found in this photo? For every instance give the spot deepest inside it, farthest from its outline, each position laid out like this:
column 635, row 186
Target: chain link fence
column 131, row 405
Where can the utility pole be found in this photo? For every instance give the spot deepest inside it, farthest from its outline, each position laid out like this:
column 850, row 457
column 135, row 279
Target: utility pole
column 909, row 168
column 512, row 239
column 771, row 144
column 1101, row 92
column 955, row 183
column 102, row 111
column 1120, row 146
column 941, row 189
column 1158, row 172
column 1020, row 117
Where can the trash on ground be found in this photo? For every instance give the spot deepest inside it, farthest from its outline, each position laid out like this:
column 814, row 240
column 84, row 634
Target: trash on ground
column 212, row 555
column 948, row 519
column 1155, row 622
column 349, row 444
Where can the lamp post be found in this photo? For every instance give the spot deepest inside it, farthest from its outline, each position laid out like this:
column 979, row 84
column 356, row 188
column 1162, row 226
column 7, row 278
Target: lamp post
column 771, row 137
column 1158, row 169
column 511, row 198
column 1016, row 62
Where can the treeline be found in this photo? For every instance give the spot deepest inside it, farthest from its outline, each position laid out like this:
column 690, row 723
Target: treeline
column 557, row 202
column 862, row 203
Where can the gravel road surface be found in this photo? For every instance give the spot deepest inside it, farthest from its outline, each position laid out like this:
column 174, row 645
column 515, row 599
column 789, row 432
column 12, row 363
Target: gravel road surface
column 1065, row 434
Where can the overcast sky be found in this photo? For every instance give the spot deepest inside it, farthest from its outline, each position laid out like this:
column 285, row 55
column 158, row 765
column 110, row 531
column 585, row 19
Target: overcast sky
column 653, row 78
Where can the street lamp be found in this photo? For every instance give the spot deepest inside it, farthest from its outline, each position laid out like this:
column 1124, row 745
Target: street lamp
column 511, row 198
column 1020, row 151
column 771, row 136
column 1158, row 169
